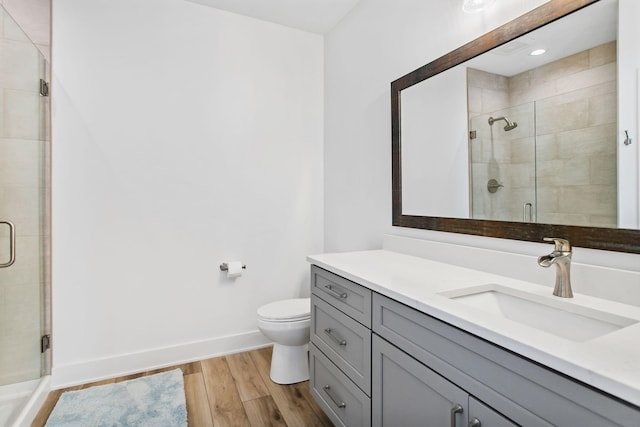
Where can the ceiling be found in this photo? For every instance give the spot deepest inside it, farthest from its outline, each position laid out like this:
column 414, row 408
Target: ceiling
column 589, row 27
column 315, row 16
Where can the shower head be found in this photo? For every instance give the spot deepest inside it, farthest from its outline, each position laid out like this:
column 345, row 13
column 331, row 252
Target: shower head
column 509, row 126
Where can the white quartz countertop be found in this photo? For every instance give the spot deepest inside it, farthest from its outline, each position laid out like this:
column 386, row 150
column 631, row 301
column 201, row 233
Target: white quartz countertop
column 610, row 362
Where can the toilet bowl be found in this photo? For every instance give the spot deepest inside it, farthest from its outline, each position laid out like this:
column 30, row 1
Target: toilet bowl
column 287, row 323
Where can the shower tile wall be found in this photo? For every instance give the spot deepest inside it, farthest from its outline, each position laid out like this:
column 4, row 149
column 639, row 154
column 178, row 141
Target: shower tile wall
column 575, row 147
column 22, row 194
column 508, row 157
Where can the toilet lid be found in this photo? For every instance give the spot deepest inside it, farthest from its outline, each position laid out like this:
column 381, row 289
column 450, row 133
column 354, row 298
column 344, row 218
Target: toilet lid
column 286, row 310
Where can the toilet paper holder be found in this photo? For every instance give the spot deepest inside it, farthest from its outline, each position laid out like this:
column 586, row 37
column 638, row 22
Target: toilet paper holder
column 225, row 267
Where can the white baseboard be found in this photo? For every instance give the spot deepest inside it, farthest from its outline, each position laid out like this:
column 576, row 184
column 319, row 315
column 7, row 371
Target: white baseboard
column 126, row 364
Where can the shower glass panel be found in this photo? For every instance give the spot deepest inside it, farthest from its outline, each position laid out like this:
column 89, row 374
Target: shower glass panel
column 24, row 189
column 503, row 154
column 559, row 165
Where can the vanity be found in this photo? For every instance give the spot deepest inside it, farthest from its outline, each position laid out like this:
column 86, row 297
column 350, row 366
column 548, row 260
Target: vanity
column 477, row 338
column 402, row 340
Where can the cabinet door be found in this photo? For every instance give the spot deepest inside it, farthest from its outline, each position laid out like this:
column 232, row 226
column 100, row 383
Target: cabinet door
column 407, row 393
column 480, row 415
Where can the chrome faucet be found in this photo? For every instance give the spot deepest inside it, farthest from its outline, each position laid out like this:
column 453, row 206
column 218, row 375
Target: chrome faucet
column 561, row 257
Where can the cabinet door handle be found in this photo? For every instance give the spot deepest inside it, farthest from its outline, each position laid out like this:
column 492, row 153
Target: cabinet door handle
column 475, row 422
column 335, row 293
column 337, row 340
column 456, row 409
column 339, row 403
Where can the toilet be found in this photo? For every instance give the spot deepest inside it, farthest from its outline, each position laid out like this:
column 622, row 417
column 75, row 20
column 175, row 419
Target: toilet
column 287, row 323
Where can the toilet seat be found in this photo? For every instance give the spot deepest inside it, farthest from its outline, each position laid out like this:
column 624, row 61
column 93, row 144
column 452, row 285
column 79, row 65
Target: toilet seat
column 289, row 310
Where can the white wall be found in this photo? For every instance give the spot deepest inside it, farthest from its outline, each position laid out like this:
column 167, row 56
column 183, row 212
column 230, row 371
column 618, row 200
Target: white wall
column 375, row 44
column 436, row 130
column 184, row 136
column 628, row 114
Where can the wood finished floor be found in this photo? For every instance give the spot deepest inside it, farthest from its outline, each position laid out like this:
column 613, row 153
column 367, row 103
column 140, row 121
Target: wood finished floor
column 233, row 390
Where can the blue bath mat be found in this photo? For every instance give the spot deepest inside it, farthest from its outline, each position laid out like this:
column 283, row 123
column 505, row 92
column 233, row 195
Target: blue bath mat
column 155, row 400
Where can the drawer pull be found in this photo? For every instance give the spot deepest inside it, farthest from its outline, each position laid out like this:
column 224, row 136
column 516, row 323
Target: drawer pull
column 456, row 409
column 335, row 293
column 475, row 422
column 337, row 340
column 340, row 404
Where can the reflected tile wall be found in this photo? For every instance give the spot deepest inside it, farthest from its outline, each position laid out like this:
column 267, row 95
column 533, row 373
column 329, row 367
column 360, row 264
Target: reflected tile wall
column 23, row 141
column 575, row 140
column 580, row 163
column 507, row 157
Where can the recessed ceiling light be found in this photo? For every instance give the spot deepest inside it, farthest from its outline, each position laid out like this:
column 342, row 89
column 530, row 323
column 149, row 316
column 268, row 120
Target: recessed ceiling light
column 537, row 52
column 474, row 6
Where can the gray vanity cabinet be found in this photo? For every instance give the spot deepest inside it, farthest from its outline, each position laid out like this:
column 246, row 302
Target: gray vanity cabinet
column 513, row 389
column 340, row 350
column 407, row 393
column 375, row 361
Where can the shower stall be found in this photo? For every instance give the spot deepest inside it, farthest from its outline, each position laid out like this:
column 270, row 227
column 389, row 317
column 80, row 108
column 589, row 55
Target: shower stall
column 503, row 184
column 532, row 163
column 24, row 223
column 544, row 151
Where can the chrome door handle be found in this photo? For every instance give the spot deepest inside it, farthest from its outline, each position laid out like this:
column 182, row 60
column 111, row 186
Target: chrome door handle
column 456, row 409
column 12, row 244
column 340, row 404
column 337, row 340
column 475, row 422
column 335, row 293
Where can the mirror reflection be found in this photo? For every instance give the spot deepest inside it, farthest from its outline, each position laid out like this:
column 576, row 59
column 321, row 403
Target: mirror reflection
column 514, row 136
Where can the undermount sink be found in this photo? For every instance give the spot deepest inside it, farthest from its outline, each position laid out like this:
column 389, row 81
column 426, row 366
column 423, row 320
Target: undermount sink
column 548, row 314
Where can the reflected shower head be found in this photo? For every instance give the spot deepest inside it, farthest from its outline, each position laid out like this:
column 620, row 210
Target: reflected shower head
column 508, row 127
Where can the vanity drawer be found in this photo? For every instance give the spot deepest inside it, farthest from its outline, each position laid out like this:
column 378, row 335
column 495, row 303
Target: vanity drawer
column 346, row 342
column 340, row 398
column 346, row 296
column 513, row 385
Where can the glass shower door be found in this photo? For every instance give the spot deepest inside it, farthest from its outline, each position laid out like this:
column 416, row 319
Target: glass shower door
column 23, row 211
column 503, row 155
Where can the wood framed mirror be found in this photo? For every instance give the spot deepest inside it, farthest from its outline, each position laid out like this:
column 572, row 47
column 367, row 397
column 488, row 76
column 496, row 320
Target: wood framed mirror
column 622, row 236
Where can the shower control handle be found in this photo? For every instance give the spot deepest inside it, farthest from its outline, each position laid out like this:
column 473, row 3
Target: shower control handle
column 12, row 244
column 493, row 185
